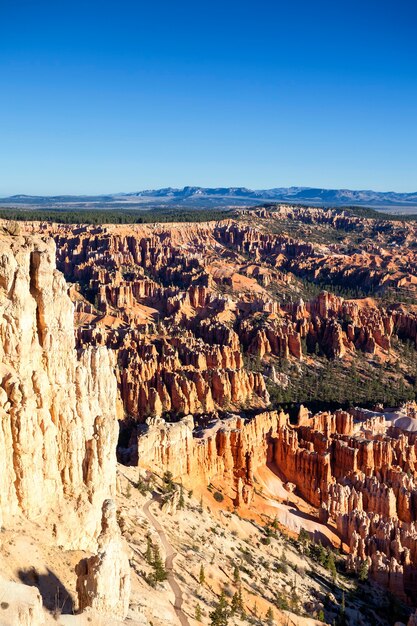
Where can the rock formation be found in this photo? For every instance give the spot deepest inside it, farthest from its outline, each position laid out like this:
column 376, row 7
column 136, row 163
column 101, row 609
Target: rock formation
column 195, row 314
column 58, row 427
column 103, row 581
column 231, row 449
column 21, row 605
column 360, row 469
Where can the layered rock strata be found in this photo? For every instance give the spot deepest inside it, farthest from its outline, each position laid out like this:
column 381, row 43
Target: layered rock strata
column 231, row 449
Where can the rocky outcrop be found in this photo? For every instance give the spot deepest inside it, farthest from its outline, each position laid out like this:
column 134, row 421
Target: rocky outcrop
column 21, row 605
column 231, row 449
column 359, row 469
column 58, row 430
column 103, row 581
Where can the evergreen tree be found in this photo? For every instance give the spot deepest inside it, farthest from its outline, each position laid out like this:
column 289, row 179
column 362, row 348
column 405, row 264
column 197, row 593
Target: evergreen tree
column 303, row 537
column 198, row 615
column 270, row 617
column 168, row 480
column 363, row 572
column 341, row 617
column 202, row 576
column 237, row 602
column 158, row 565
column 332, row 566
column 220, row 615
column 149, row 554
column 236, row 574
column 181, row 501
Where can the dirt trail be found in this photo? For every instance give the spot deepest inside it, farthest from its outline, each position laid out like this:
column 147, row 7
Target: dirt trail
column 169, row 562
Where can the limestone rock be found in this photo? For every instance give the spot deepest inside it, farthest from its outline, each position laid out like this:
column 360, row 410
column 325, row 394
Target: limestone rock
column 57, row 417
column 103, row 581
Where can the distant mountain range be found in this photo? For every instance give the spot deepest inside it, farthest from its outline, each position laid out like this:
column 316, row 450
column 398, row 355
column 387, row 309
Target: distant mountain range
column 210, row 197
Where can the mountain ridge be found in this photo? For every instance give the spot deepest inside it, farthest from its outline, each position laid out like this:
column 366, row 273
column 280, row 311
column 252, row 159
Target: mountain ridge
column 208, row 197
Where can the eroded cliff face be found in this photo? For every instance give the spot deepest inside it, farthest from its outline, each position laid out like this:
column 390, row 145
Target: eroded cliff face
column 357, row 469
column 103, row 581
column 231, row 449
column 58, row 426
column 360, row 469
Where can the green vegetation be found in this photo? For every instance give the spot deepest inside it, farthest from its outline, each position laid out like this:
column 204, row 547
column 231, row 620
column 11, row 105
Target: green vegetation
column 236, row 574
column 333, row 384
column 311, row 288
column 169, row 484
column 181, row 501
column 153, row 557
column 219, row 497
column 220, row 615
column 115, row 216
column 237, row 603
column 160, row 573
column 202, row 575
column 143, row 485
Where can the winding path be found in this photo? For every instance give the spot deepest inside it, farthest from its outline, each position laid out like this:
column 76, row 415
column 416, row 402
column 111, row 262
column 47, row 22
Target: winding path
column 169, row 561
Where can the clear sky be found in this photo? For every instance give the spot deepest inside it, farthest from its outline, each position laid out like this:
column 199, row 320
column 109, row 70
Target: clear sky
column 108, row 96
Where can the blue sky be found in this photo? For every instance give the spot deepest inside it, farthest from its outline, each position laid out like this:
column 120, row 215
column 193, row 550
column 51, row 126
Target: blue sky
column 100, row 96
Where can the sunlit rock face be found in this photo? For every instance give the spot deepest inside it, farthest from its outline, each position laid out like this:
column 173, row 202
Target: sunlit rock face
column 103, row 581
column 58, row 428
column 232, row 449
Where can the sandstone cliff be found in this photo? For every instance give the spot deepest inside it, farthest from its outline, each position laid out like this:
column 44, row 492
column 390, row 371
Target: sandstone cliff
column 231, row 449
column 58, row 428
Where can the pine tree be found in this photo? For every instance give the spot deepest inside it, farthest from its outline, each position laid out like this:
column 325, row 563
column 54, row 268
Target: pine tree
column 270, row 617
column 236, row 574
column 198, row 615
column 237, row 603
column 181, row 501
column 241, row 606
column 220, row 615
column 303, row 537
column 363, row 571
column 332, row 566
column 168, row 480
column 202, row 576
column 341, row 618
column 159, row 569
column 149, row 554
